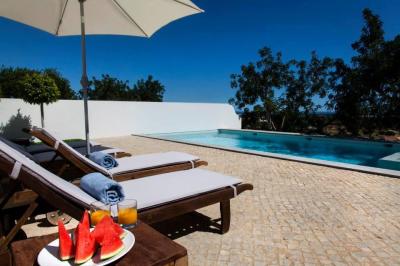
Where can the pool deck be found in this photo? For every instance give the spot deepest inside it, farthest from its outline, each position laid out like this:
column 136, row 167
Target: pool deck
column 297, row 214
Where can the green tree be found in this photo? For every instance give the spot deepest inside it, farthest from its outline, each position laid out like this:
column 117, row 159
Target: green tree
column 391, row 89
column 63, row 84
column 345, row 98
column 257, row 83
column 10, row 84
column 109, row 88
column 255, row 118
column 148, row 90
column 365, row 95
column 39, row 89
column 13, row 128
column 10, row 81
column 306, row 82
column 113, row 89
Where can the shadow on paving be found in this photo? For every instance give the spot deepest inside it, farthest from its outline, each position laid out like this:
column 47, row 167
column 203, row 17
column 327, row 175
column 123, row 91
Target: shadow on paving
column 186, row 224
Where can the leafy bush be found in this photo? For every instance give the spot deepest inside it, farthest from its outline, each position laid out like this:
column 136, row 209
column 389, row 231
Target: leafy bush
column 113, row 89
column 39, row 89
column 10, row 82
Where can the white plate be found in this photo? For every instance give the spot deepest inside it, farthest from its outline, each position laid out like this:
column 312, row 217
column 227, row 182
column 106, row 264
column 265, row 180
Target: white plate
column 48, row 256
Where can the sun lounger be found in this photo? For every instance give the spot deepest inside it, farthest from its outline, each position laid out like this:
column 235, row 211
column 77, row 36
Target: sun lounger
column 50, row 159
column 42, row 153
column 79, row 145
column 159, row 197
column 128, row 167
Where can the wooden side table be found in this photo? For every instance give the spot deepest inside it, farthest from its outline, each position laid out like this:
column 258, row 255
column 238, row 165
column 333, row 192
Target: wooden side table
column 151, row 248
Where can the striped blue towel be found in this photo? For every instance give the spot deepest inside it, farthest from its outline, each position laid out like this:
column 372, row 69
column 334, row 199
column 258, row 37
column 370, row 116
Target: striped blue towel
column 103, row 159
column 102, row 188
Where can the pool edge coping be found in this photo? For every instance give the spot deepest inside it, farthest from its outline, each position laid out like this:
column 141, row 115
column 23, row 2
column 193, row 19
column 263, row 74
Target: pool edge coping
column 337, row 165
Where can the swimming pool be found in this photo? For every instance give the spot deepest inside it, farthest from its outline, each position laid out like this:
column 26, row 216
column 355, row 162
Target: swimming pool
column 347, row 153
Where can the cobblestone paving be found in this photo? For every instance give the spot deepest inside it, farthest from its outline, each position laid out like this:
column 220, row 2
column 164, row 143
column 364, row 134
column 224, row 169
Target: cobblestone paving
column 297, row 214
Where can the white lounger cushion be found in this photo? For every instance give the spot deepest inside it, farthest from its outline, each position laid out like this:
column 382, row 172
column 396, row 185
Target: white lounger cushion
column 135, row 162
column 159, row 189
column 138, row 162
column 149, row 191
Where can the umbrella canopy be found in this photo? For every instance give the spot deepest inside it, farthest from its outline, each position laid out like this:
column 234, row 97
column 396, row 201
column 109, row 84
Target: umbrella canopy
column 115, row 17
column 112, row 17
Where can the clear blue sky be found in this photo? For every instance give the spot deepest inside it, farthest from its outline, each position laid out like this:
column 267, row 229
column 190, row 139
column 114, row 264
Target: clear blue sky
column 195, row 56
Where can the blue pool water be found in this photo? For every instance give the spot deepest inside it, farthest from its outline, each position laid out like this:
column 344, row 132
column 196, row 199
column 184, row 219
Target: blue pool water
column 357, row 152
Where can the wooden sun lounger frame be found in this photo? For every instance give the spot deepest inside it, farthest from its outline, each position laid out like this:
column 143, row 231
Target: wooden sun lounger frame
column 86, row 168
column 15, row 198
column 149, row 215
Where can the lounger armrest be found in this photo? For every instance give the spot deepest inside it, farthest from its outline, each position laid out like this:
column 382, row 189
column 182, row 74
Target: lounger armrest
column 200, row 163
column 243, row 187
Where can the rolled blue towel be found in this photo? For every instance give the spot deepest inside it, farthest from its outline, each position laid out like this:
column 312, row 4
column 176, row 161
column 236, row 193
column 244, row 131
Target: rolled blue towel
column 103, row 159
column 102, row 188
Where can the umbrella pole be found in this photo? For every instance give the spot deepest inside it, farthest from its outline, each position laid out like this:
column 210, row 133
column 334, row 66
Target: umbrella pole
column 84, row 79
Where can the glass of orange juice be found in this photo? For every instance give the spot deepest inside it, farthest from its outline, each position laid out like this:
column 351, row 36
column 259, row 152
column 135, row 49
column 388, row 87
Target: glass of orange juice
column 98, row 211
column 127, row 213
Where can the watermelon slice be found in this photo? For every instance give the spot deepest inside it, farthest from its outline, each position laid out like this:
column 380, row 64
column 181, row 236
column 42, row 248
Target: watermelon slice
column 119, row 230
column 85, row 220
column 111, row 245
column 108, row 234
column 85, row 244
column 66, row 246
column 104, row 226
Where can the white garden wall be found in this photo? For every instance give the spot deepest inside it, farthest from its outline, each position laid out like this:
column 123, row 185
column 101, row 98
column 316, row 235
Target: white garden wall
column 118, row 118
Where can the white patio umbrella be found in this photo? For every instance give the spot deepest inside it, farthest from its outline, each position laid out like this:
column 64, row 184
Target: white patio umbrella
column 80, row 17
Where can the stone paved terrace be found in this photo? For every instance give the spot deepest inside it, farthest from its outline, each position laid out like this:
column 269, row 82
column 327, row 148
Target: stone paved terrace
column 297, row 214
